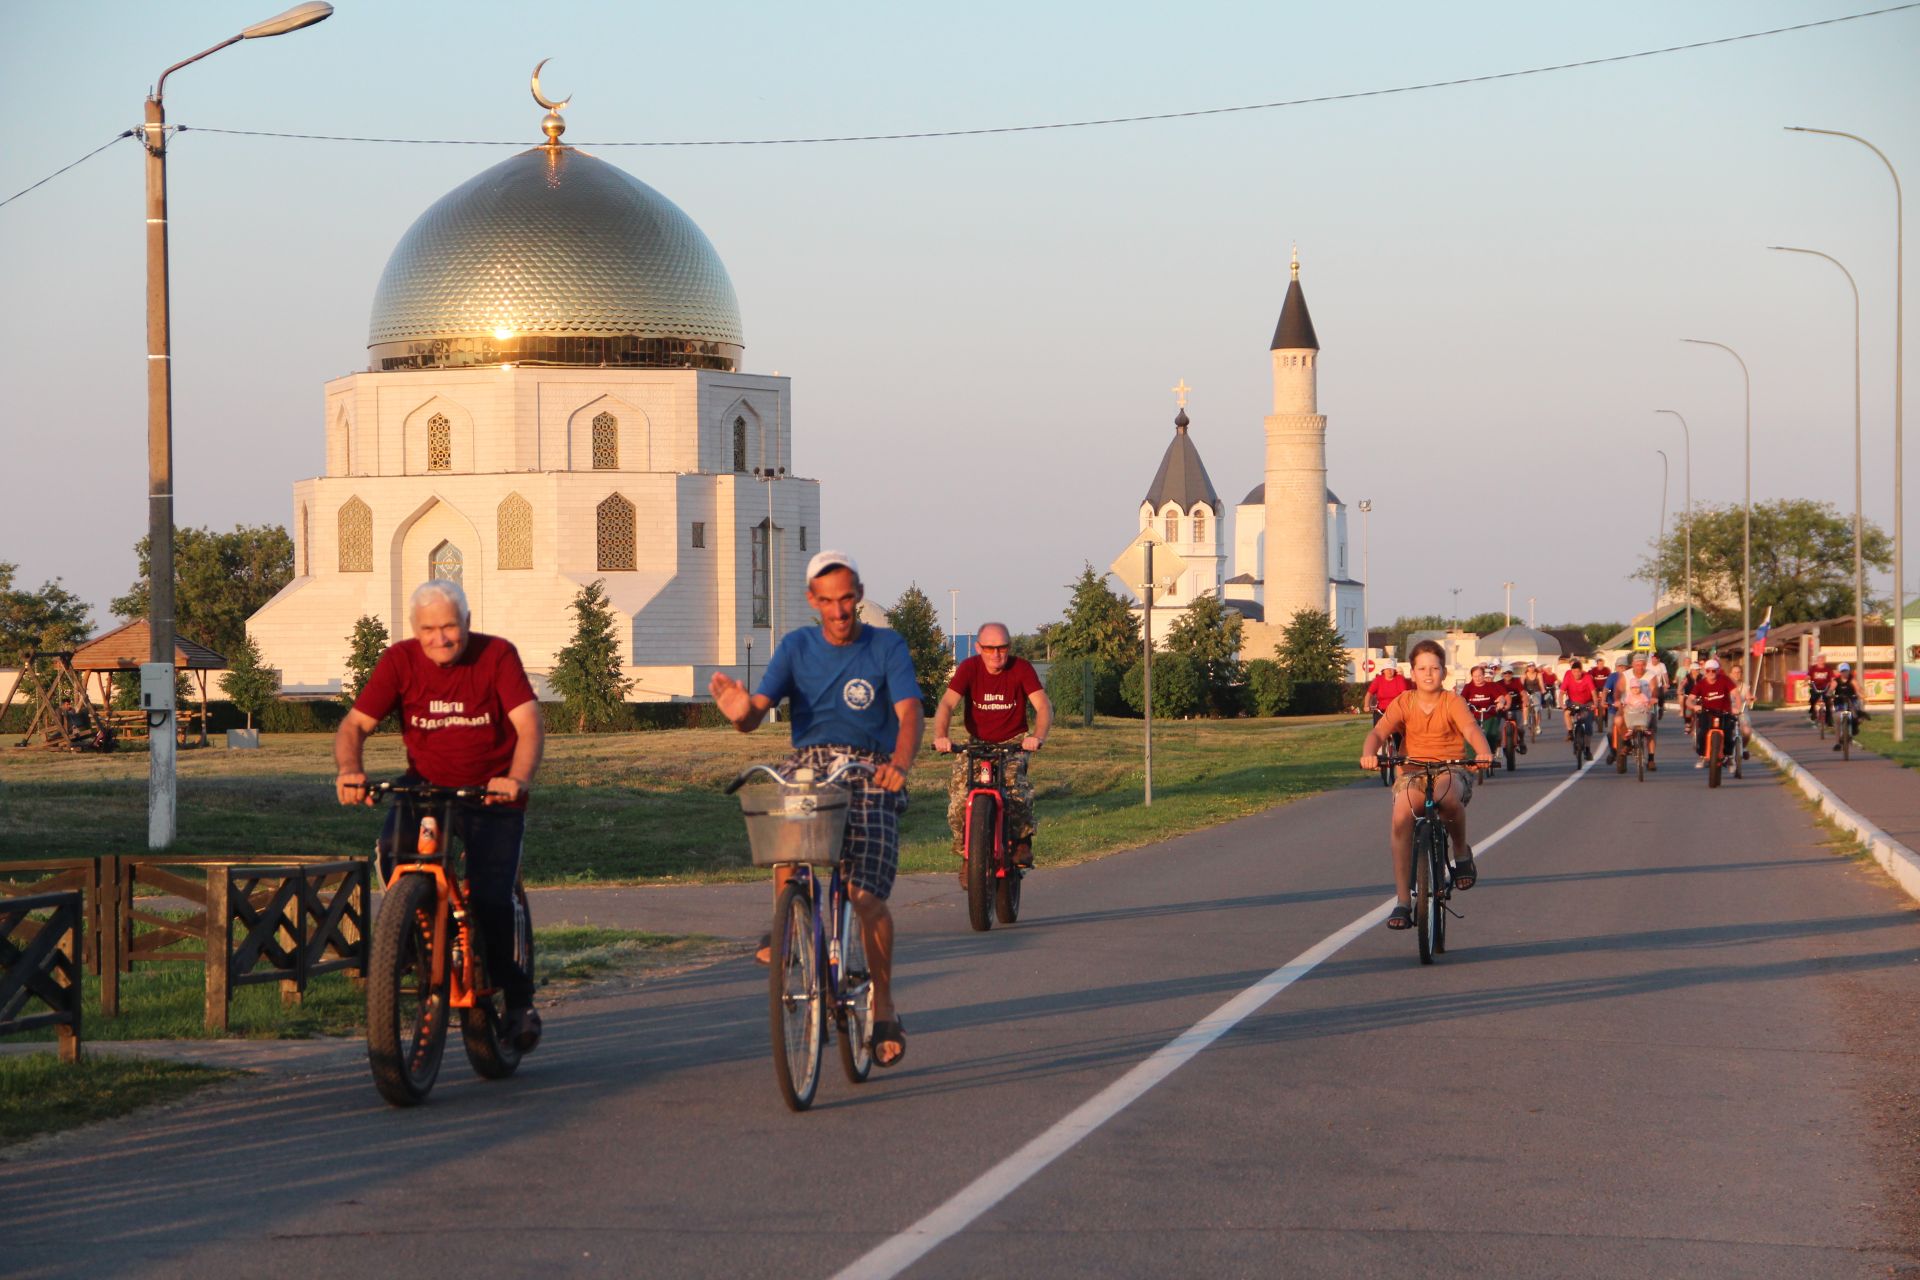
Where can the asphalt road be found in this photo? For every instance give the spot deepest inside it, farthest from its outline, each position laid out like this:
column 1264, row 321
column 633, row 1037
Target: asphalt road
column 1672, row 1036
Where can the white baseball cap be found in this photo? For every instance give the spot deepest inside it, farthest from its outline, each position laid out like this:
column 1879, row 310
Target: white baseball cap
column 1713, row 664
column 826, row 561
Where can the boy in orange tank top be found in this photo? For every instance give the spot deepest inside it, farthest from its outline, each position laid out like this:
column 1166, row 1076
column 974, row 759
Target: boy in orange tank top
column 1437, row 726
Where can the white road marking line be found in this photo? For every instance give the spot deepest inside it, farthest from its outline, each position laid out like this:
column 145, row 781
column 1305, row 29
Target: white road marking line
column 892, row 1256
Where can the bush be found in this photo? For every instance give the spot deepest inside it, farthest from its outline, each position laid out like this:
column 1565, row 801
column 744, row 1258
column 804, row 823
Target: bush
column 283, row 716
column 1065, row 689
column 1266, row 687
column 1177, row 688
column 1317, row 698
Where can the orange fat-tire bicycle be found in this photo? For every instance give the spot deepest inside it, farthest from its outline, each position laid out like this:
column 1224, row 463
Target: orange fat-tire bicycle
column 428, row 957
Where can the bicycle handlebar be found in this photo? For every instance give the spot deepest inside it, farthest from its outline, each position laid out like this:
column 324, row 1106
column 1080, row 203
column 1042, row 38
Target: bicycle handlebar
column 840, row 771
column 425, row 792
column 983, row 749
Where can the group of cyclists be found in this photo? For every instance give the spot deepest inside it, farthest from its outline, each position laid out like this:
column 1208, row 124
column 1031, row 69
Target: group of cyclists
column 468, row 718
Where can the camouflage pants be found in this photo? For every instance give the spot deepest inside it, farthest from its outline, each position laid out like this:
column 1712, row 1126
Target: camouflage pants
column 1019, row 802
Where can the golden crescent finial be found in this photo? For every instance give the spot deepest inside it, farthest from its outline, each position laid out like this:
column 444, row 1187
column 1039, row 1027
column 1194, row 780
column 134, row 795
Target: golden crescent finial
column 542, row 98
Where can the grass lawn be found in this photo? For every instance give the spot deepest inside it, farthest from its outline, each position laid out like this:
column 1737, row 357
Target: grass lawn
column 167, row 1002
column 39, row 1093
column 639, row 807
column 1876, row 735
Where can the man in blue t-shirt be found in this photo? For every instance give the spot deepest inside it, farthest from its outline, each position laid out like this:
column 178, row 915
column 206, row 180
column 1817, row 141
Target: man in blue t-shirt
column 853, row 694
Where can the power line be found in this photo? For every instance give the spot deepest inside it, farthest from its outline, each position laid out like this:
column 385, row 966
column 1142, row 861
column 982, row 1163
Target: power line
column 57, row 172
column 1107, row 120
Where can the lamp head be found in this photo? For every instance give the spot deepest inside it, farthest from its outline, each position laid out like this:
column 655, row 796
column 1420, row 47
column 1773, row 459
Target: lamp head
column 301, row 15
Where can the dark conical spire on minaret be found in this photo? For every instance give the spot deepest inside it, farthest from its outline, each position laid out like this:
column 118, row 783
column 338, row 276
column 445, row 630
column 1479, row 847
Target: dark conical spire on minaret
column 1295, row 330
column 1182, row 477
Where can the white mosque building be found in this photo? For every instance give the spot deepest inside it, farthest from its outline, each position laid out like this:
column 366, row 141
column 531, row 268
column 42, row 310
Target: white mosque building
column 554, row 395
column 1289, row 533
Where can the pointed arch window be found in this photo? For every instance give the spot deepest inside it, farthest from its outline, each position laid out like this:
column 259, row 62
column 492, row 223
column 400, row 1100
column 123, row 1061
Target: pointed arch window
column 614, row 524
column 1199, row 524
column 439, row 443
column 356, row 536
column 606, row 442
column 515, row 516
column 445, row 562
column 739, row 444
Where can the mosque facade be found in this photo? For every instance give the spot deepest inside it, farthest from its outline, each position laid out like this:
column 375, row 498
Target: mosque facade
column 554, row 396
column 1290, row 549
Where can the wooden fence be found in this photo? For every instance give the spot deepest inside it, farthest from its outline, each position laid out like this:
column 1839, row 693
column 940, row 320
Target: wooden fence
column 40, row 960
column 296, row 917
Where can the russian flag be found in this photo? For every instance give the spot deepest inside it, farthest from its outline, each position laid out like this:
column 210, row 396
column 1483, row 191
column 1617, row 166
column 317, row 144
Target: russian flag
column 1760, row 636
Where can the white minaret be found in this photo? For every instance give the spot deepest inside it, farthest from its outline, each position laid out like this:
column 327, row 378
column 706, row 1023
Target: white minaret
column 1296, row 498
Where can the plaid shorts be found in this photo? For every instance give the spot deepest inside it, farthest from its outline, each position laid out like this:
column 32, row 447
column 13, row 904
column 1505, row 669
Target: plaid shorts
column 872, row 842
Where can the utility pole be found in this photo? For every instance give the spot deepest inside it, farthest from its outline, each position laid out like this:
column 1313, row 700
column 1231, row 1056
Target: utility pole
column 1509, row 608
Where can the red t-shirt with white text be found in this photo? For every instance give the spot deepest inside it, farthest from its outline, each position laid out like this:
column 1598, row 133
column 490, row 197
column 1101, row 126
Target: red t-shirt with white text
column 1821, row 675
column 1481, row 697
column 1714, row 691
column 453, row 719
column 995, row 706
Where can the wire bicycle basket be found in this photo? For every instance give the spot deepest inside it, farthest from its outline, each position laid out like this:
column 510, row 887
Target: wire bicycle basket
column 794, row 822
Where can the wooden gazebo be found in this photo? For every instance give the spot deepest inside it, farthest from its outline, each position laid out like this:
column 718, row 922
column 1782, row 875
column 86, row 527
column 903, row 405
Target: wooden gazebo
column 120, row 652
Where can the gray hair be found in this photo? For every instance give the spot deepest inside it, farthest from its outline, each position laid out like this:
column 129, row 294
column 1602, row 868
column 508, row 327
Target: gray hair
column 439, row 589
column 982, row 629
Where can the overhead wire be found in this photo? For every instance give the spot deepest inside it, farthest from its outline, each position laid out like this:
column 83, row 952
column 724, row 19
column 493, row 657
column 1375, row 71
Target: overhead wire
column 127, row 133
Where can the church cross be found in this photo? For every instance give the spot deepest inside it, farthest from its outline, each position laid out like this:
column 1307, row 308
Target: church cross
column 1180, row 392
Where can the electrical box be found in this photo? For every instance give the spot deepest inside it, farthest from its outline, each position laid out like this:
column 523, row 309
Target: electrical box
column 156, row 686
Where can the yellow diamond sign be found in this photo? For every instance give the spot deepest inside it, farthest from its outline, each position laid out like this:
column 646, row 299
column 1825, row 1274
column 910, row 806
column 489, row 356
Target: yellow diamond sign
column 1148, row 561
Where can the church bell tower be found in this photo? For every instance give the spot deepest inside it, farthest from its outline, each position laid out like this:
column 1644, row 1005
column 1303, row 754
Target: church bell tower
column 1296, row 486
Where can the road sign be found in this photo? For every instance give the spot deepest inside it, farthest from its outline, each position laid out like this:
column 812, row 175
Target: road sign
column 1131, row 565
column 1643, row 639
column 1367, row 666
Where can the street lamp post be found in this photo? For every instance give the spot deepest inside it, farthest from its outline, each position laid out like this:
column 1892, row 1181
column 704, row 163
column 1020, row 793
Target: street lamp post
column 1746, row 530
column 953, row 621
column 1687, row 437
column 160, row 599
column 1366, row 636
column 1509, row 609
column 1899, row 434
column 1859, row 560
column 1661, row 535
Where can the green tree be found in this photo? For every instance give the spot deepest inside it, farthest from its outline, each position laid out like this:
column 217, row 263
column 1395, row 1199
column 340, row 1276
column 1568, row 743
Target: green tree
column 1032, row 645
column 588, row 673
column 1266, row 687
column 1177, row 688
column 51, row 618
column 364, row 647
column 1802, row 560
column 220, row 580
column 1311, row 653
column 1209, row 633
column 914, row 617
column 248, row 685
column 1066, row 688
column 1097, row 624
column 1482, row 623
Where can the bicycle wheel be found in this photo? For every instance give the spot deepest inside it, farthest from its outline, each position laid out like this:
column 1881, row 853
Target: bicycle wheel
column 1640, row 759
column 980, row 824
column 1715, row 750
column 1506, row 745
column 854, row 1018
column 794, row 1000
column 1846, row 739
column 406, row 1012
column 491, row 1055
column 1006, row 896
column 1426, row 899
column 1443, row 881
column 1820, row 718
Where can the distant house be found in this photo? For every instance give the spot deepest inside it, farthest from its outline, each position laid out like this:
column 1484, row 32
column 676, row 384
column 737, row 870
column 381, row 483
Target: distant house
column 1670, row 630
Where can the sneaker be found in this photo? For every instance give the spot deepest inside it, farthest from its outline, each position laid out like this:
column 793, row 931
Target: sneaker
column 522, row 1029
column 1652, row 765
column 1699, row 764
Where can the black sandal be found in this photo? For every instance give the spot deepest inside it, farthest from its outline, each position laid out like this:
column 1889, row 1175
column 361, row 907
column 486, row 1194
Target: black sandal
column 1465, row 873
column 892, row 1031
column 1400, row 918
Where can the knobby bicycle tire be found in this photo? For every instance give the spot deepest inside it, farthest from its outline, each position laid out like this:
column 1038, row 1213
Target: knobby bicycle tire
column 1006, row 896
column 980, row 823
column 406, row 1012
column 489, row 1053
column 794, row 1001
column 854, row 1019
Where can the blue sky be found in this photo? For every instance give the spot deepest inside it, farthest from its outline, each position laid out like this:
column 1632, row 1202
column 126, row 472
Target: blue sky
column 982, row 331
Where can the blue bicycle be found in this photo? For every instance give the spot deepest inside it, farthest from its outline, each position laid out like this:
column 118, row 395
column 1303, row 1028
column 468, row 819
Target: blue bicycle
column 817, row 973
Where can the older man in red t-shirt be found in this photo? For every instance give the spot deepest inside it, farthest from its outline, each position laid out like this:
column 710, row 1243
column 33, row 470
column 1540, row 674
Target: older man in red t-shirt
column 468, row 718
column 996, row 689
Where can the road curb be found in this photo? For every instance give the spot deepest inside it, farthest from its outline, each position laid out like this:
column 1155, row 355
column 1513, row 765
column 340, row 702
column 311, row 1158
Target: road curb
column 1900, row 862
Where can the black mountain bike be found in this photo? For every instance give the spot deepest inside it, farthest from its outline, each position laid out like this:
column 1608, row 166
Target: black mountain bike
column 1846, row 725
column 1432, row 864
column 1582, row 734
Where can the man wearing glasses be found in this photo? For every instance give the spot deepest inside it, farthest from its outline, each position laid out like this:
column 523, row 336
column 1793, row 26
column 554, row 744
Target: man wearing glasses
column 997, row 689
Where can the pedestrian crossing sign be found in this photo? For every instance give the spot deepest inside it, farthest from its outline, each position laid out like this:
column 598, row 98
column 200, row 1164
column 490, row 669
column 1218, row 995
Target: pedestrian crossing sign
column 1643, row 639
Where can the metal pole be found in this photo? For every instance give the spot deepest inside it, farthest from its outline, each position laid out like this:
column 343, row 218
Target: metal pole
column 1366, row 576
column 1530, row 621
column 1456, row 607
column 1146, row 678
column 1509, row 606
column 1899, row 433
column 1661, row 536
column 1859, row 560
column 749, row 661
column 1746, row 533
column 1687, row 437
column 161, row 778
column 953, row 620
